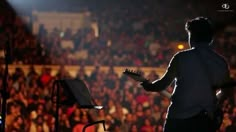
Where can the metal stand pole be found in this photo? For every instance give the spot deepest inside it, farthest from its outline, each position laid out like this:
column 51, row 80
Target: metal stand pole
column 4, row 90
column 57, row 85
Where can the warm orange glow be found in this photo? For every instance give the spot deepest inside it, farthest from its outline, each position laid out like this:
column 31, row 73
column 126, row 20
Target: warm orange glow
column 180, row 46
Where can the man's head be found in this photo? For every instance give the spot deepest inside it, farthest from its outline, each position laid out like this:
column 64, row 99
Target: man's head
column 200, row 31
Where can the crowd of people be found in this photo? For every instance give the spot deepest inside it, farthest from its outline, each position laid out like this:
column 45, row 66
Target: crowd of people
column 144, row 38
column 108, row 49
column 141, row 39
column 127, row 107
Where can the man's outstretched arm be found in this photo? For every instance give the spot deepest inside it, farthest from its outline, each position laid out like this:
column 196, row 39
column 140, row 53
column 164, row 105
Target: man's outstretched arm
column 166, row 79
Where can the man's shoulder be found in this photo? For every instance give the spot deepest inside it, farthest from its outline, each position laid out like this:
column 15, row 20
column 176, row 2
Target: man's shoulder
column 183, row 53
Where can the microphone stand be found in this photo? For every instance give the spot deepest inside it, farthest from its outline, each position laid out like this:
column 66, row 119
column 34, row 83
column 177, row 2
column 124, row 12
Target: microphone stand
column 5, row 77
column 56, row 88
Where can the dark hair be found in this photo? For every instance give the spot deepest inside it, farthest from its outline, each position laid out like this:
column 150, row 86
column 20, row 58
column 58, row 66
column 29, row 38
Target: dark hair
column 200, row 29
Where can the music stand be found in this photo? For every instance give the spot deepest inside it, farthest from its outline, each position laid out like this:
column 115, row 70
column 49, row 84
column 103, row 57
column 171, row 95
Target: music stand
column 74, row 90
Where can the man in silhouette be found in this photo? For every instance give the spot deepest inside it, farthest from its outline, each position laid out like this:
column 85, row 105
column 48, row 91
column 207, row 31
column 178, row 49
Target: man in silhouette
column 195, row 72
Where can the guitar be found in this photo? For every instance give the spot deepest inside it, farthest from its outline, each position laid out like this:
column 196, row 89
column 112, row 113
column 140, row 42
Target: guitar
column 217, row 116
column 137, row 76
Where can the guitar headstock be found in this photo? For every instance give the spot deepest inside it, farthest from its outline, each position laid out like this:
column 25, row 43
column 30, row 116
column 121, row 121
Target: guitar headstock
column 132, row 72
column 138, row 76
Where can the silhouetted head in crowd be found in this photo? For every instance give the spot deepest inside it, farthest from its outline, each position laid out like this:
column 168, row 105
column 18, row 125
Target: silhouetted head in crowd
column 200, row 31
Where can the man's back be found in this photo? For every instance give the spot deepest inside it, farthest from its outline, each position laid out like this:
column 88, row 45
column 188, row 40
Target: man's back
column 198, row 70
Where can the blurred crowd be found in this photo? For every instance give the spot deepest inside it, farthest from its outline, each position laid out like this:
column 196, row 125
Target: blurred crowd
column 143, row 38
column 127, row 107
column 135, row 34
